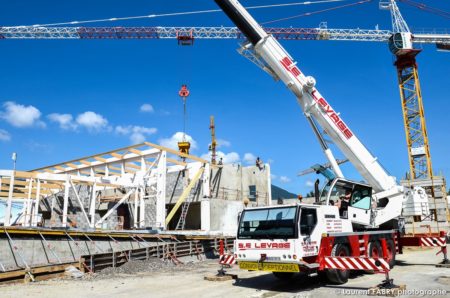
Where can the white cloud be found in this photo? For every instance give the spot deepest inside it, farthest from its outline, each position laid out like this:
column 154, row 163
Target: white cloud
column 270, row 161
column 21, row 116
column 223, row 143
column 147, row 108
column 137, row 134
column 92, row 121
column 4, row 135
column 285, row 179
column 249, row 158
column 231, row 157
column 309, row 183
column 172, row 142
column 273, row 176
column 65, row 121
column 227, row 158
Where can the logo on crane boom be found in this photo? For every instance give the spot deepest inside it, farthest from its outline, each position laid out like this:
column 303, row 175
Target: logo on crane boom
column 333, row 115
column 290, row 66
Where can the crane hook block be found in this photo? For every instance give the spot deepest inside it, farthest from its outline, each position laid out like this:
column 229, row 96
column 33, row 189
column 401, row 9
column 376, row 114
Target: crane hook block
column 184, row 92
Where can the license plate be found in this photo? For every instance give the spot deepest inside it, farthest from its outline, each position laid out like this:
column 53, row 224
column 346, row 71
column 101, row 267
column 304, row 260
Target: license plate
column 273, row 267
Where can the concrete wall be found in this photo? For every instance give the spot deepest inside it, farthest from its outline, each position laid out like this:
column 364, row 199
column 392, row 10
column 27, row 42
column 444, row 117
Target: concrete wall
column 33, row 251
column 224, row 214
column 232, row 182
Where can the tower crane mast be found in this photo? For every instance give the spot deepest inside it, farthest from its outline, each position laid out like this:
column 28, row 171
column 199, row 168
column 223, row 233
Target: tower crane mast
column 401, row 45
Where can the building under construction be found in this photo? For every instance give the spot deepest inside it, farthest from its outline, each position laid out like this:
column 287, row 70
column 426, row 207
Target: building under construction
column 140, row 197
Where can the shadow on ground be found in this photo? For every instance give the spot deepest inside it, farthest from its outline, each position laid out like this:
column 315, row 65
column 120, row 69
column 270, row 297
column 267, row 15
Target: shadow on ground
column 299, row 283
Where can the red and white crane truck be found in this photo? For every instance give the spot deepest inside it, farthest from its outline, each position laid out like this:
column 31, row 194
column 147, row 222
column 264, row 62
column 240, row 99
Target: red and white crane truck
column 313, row 237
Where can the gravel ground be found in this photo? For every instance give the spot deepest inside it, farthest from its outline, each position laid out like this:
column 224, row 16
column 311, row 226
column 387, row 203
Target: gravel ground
column 415, row 269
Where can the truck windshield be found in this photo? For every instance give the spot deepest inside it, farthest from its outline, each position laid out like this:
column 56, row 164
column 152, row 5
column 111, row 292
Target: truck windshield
column 271, row 223
column 325, row 191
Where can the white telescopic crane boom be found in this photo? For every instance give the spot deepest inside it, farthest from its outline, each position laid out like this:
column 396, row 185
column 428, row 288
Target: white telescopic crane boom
column 280, row 64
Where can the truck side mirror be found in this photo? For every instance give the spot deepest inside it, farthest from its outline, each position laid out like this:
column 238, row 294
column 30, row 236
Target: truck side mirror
column 239, row 217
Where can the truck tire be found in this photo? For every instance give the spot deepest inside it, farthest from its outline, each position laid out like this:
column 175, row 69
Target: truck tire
column 336, row 276
column 283, row 275
column 374, row 250
column 392, row 252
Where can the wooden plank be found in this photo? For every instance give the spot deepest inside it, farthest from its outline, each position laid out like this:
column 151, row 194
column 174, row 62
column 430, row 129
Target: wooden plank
column 85, row 162
column 116, row 155
column 184, row 195
column 16, row 182
column 21, row 174
column 100, row 158
column 188, row 156
column 181, row 163
column 72, row 165
column 135, row 151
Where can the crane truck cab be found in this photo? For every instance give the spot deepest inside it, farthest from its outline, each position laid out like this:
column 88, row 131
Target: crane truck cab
column 285, row 238
column 353, row 199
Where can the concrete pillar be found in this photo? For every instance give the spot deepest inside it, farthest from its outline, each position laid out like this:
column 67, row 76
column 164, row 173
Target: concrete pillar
column 269, row 185
column 92, row 206
column 207, row 182
column 9, row 204
column 161, row 172
column 135, row 210
column 28, row 217
column 66, row 201
column 205, row 215
column 36, row 204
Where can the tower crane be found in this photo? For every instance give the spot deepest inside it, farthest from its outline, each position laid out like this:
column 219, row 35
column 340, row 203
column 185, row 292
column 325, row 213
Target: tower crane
column 213, row 146
column 401, row 42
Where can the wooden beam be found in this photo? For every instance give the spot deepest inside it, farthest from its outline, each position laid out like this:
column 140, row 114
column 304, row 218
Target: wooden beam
column 85, row 162
column 188, row 156
column 184, row 195
column 181, row 163
column 116, row 155
column 100, row 158
column 135, row 151
column 21, row 174
column 72, row 165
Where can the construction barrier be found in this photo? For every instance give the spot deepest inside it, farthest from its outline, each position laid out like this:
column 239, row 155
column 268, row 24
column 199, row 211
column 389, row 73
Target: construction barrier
column 227, row 260
column 433, row 241
column 356, row 263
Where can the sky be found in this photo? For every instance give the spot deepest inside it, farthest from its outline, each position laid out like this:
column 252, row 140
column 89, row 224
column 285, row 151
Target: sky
column 65, row 99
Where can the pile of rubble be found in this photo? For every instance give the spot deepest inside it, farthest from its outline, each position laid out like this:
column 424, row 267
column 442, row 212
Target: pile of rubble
column 135, row 267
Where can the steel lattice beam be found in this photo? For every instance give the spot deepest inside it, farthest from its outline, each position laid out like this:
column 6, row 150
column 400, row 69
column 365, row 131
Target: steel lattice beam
column 413, row 116
column 207, row 33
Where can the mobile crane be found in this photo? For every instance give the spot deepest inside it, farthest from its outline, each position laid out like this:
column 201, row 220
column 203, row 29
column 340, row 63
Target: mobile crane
column 290, row 238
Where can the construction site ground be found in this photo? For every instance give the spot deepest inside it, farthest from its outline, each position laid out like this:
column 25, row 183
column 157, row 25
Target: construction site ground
column 415, row 268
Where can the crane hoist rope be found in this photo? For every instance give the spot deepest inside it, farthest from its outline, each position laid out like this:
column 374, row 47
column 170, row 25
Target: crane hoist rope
column 151, row 16
column 184, row 145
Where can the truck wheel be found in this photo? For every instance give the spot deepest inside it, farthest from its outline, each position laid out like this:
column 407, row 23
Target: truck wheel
column 391, row 252
column 283, row 275
column 336, row 276
column 374, row 250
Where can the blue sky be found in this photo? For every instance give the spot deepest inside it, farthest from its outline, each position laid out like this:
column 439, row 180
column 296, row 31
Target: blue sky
column 100, row 86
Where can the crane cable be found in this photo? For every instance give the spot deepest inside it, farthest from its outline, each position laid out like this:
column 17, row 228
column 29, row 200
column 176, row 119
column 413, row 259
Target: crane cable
column 427, row 8
column 180, row 13
column 315, row 12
